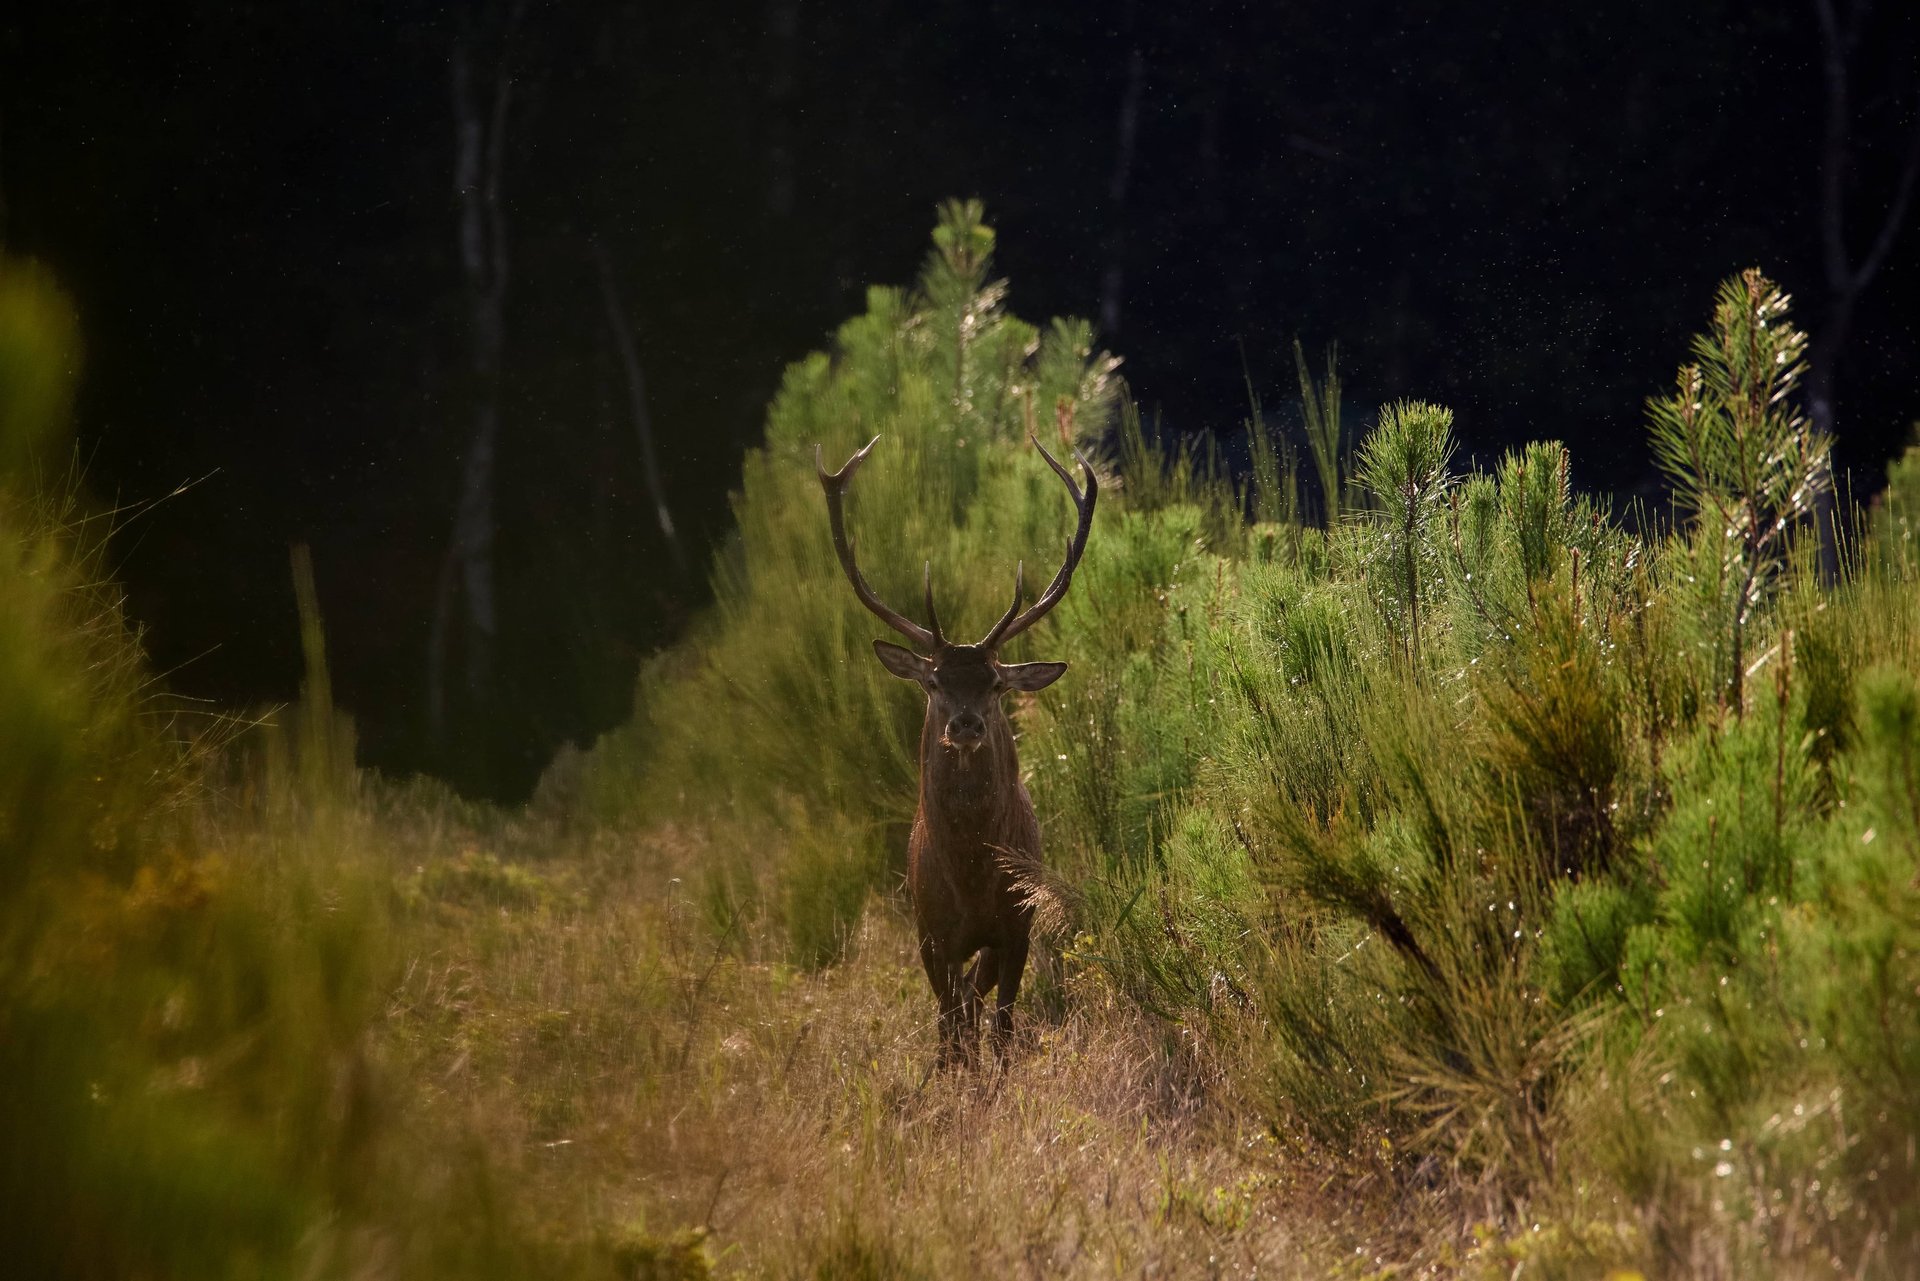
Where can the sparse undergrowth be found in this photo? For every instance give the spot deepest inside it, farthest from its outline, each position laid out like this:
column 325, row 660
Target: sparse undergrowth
column 614, row 1044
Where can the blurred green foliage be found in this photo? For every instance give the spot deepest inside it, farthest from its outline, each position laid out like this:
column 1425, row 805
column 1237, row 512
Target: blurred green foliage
column 196, row 941
column 39, row 363
column 179, row 1041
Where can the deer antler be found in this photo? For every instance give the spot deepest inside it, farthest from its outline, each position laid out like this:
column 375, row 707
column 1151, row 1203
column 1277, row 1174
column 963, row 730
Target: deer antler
column 835, row 484
column 1013, row 622
column 933, row 619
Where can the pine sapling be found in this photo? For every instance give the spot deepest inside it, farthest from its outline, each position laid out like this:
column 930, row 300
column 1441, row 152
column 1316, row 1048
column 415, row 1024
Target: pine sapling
column 1403, row 467
column 1740, row 452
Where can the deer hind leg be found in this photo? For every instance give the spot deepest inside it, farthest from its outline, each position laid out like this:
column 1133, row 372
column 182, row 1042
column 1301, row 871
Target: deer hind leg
column 1011, row 963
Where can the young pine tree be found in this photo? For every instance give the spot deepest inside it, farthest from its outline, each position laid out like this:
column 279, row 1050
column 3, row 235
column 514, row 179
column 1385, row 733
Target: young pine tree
column 1742, row 456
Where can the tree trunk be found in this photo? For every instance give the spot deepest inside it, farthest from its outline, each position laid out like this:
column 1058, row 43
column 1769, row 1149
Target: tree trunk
column 466, row 583
column 637, row 400
column 1824, row 357
column 1845, row 280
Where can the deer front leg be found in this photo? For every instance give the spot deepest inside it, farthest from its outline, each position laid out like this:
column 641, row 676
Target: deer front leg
column 981, row 978
column 1012, row 963
column 958, row 1005
column 979, row 981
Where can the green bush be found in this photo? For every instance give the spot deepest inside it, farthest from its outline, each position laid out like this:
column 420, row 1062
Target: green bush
column 1474, row 830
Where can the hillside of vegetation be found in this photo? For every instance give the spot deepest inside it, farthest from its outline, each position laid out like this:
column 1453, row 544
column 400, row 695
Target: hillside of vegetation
column 1448, row 875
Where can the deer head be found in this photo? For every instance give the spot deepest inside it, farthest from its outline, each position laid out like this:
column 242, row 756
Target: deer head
column 963, row 683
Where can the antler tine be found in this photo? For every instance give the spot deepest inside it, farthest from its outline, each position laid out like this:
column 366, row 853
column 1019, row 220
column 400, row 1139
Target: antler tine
column 1019, row 590
column 1014, row 622
column 933, row 618
column 835, row 486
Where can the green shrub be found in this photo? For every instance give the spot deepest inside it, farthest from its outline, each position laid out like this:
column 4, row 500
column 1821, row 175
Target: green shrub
column 1474, row 831
column 1404, row 471
column 1743, row 458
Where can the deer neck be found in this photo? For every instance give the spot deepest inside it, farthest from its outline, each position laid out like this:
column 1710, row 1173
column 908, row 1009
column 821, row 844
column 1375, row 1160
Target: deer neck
column 968, row 792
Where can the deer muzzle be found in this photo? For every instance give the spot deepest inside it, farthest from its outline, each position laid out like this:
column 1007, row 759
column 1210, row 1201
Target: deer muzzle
column 966, row 731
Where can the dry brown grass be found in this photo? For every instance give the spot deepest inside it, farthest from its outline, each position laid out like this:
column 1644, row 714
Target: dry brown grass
column 628, row 1070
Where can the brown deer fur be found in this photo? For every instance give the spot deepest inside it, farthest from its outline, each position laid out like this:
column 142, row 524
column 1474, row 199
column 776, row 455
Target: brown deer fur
column 975, row 836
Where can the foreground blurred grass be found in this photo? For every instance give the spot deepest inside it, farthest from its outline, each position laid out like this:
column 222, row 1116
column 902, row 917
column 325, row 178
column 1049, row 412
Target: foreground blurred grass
column 1466, row 886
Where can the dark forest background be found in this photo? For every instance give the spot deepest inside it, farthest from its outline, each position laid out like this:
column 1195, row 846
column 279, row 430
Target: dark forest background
column 1518, row 210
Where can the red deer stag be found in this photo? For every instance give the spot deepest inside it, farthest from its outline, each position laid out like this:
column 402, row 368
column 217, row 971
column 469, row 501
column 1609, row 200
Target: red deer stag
column 974, row 830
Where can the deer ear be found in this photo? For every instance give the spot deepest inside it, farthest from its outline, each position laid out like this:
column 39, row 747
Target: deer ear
column 904, row 663
column 1031, row 676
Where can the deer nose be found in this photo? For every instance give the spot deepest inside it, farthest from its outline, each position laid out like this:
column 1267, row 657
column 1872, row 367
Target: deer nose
column 966, row 728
